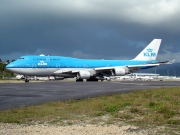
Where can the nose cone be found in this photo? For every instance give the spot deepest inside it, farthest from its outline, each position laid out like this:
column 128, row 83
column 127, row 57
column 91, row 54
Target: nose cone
column 14, row 67
column 10, row 67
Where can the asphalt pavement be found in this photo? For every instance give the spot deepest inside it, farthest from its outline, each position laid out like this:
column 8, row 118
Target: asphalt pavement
column 14, row 95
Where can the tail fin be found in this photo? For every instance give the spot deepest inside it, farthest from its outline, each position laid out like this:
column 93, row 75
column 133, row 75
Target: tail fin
column 150, row 52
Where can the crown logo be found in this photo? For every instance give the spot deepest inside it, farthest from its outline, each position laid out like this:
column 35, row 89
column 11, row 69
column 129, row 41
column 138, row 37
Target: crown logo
column 149, row 50
column 42, row 63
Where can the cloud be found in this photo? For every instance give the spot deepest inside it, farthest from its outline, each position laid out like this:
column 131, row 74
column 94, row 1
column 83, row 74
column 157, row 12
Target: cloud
column 143, row 12
column 88, row 28
column 169, row 56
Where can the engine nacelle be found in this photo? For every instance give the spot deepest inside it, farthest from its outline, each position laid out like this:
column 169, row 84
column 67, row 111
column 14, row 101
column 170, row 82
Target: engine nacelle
column 83, row 75
column 119, row 71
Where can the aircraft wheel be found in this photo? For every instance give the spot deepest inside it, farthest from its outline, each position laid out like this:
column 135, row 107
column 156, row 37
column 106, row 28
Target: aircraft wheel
column 79, row 80
column 26, row 80
column 92, row 80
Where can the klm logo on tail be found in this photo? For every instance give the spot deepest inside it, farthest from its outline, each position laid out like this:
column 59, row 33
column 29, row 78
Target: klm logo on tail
column 149, row 53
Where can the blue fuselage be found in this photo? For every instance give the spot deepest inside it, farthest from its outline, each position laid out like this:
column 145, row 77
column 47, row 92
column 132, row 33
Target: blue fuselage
column 68, row 62
column 68, row 67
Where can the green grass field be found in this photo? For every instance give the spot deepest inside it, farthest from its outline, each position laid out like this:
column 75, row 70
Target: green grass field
column 143, row 108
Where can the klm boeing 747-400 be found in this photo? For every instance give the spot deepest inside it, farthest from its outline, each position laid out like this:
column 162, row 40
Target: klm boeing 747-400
column 89, row 69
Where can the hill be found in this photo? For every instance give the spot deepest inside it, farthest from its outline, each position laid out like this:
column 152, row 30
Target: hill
column 165, row 70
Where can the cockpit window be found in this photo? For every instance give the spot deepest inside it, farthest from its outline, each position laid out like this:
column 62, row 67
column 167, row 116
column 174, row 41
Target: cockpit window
column 21, row 58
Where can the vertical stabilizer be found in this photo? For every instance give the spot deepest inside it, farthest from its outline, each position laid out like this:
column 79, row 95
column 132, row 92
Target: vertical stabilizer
column 150, row 52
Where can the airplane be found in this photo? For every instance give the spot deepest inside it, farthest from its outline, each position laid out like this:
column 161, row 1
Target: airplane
column 89, row 69
column 143, row 78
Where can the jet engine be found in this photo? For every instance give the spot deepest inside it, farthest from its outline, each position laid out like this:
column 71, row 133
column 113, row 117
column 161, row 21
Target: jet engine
column 83, row 75
column 120, row 71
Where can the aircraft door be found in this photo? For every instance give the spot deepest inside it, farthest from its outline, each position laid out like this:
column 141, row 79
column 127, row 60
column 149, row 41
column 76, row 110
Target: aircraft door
column 57, row 65
column 47, row 59
column 34, row 66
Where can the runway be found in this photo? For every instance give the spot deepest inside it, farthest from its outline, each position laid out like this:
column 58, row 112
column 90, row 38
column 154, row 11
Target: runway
column 14, row 95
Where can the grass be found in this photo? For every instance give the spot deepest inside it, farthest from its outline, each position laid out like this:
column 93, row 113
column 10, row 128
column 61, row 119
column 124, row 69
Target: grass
column 144, row 108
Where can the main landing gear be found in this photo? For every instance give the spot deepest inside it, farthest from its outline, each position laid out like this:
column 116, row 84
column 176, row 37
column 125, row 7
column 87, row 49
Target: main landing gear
column 79, row 80
column 92, row 79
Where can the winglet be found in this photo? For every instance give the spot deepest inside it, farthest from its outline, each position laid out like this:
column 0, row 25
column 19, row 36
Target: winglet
column 171, row 61
column 150, row 52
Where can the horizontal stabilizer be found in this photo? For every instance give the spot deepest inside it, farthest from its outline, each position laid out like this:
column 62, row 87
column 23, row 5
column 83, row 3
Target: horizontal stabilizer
column 167, row 62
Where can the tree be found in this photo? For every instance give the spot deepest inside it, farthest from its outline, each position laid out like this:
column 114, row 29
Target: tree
column 7, row 61
column 4, row 72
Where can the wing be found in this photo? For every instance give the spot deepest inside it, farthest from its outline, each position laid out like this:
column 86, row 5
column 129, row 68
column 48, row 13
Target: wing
column 109, row 71
column 131, row 68
column 128, row 69
column 118, row 70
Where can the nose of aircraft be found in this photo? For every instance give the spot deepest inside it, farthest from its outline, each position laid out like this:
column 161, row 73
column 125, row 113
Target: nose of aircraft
column 10, row 67
column 13, row 67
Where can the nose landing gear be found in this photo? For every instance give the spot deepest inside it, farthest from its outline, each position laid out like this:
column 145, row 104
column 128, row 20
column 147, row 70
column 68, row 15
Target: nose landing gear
column 26, row 79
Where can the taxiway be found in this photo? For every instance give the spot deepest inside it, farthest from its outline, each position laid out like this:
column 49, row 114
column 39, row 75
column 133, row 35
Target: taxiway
column 14, row 95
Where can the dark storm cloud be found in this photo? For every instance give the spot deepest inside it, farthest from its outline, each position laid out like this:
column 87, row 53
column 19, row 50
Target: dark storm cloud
column 88, row 28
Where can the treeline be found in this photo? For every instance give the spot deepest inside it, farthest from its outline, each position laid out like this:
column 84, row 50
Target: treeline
column 4, row 73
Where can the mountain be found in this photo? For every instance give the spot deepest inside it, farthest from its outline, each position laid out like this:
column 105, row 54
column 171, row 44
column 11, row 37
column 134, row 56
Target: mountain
column 165, row 70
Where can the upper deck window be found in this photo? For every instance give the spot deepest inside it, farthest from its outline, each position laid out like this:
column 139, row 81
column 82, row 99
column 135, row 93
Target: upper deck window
column 21, row 58
column 38, row 59
column 54, row 59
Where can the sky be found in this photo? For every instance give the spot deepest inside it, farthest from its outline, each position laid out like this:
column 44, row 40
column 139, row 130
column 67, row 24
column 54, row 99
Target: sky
column 93, row 29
